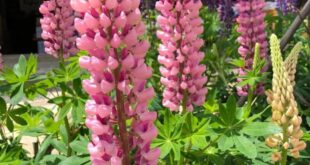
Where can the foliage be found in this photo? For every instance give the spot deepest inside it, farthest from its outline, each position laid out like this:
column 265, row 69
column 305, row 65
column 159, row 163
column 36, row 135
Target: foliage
column 226, row 130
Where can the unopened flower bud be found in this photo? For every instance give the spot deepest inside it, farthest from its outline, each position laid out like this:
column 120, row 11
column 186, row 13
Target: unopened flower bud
column 276, row 156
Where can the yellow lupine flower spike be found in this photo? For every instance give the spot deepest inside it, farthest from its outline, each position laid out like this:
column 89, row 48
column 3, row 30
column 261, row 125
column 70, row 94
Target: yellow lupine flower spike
column 284, row 106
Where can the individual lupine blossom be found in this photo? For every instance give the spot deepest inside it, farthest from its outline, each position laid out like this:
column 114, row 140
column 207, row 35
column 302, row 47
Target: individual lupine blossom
column 227, row 16
column 58, row 31
column 287, row 5
column 284, row 107
column 110, row 32
column 252, row 30
column 182, row 73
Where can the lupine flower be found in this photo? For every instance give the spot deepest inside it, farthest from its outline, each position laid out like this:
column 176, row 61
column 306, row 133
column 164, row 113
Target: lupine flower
column 284, row 107
column 110, row 32
column 182, row 73
column 1, row 60
column 287, row 5
column 252, row 31
column 58, row 31
column 227, row 15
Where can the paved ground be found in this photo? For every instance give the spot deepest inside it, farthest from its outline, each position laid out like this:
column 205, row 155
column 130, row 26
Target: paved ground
column 45, row 62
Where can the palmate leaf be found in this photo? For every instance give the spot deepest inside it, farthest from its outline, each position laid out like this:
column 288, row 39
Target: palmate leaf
column 9, row 124
column 43, row 147
column 245, row 146
column 238, row 63
column 65, row 110
column 59, row 145
column 21, row 67
column 75, row 160
column 228, row 111
column 80, row 146
column 32, row 65
column 196, row 132
column 17, row 94
column 261, row 129
column 9, row 76
column 225, row 142
column 169, row 133
column 18, row 120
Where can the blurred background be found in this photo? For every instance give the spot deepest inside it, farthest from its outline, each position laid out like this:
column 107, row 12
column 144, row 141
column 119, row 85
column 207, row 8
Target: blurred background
column 20, row 28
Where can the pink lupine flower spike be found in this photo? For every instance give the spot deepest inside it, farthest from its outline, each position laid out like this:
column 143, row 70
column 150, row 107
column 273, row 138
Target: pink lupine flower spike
column 110, row 32
column 182, row 73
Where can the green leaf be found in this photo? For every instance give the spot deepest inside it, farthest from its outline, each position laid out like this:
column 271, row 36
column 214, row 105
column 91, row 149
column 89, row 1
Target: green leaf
column 17, row 94
column 78, row 112
column 245, row 146
column 58, row 100
column 9, row 76
column 31, row 65
column 65, row 110
column 199, row 141
column 238, row 62
column 52, row 159
column 74, row 160
column 20, row 68
column 79, row 146
column 225, row 142
column 9, row 124
column 176, row 148
column 261, row 129
column 60, row 146
column 19, row 111
column 165, row 150
column 2, row 106
column 228, row 112
column 63, row 133
column 18, row 120
column 43, row 147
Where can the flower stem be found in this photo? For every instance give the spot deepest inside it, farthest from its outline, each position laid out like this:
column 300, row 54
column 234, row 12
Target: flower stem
column 67, row 125
column 284, row 151
column 249, row 102
column 66, row 121
column 122, row 119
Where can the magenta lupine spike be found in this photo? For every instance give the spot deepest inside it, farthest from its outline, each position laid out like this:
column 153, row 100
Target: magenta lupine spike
column 252, row 30
column 110, row 31
column 58, row 31
column 182, row 73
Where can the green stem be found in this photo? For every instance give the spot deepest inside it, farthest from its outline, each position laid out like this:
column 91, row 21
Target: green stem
column 187, row 150
column 284, row 151
column 249, row 102
column 171, row 159
column 66, row 121
column 67, row 125
column 221, row 73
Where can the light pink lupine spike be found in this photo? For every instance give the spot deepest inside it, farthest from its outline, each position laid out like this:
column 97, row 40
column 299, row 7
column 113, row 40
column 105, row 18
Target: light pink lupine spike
column 252, row 30
column 57, row 31
column 180, row 55
column 110, row 31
